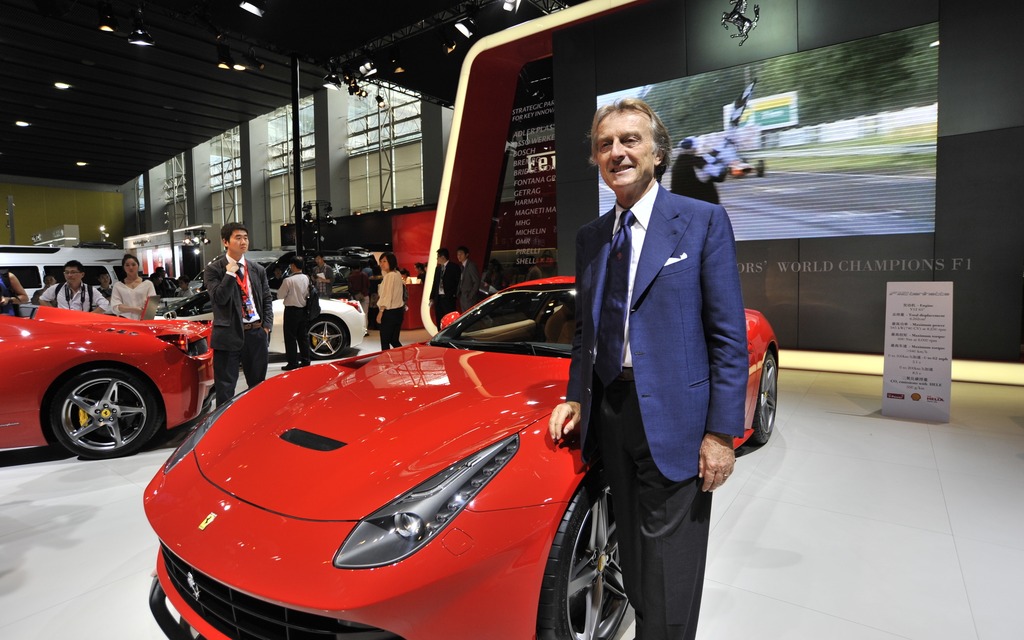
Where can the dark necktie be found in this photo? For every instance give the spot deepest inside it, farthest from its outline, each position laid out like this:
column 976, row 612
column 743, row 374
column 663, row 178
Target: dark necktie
column 612, row 321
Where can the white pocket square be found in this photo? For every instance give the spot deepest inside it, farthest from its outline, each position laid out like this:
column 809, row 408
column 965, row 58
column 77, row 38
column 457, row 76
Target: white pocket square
column 673, row 259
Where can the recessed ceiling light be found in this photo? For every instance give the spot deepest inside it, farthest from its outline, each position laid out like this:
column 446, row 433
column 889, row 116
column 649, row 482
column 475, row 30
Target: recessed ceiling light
column 62, row 85
column 81, row 164
column 22, row 123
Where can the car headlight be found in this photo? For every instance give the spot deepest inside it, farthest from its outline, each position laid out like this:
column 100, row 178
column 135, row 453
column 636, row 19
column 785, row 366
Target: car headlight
column 197, row 434
column 409, row 522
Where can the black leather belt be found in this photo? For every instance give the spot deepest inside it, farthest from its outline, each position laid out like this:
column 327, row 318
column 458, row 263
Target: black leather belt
column 250, row 326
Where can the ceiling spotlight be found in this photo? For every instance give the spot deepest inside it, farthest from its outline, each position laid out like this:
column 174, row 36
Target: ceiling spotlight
column 81, row 163
column 63, row 86
column 466, row 26
column 105, row 18
column 510, row 5
column 331, row 221
column 255, row 7
column 381, row 102
column 367, row 68
column 447, row 43
column 139, row 35
column 224, row 59
column 22, row 123
column 332, row 81
column 254, row 62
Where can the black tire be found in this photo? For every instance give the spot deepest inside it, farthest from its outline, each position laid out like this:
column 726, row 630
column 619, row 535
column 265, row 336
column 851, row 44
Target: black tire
column 583, row 562
column 767, row 397
column 328, row 337
column 105, row 413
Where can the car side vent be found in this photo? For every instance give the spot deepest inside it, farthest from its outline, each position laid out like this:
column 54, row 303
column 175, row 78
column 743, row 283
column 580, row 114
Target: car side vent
column 312, row 441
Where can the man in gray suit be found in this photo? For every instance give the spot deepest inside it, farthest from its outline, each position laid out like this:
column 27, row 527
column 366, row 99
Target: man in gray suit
column 243, row 315
column 469, row 281
column 658, row 374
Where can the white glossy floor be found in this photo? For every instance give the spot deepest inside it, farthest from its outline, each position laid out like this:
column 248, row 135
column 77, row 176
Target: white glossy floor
column 847, row 525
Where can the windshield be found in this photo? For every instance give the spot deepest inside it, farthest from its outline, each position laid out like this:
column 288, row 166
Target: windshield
column 536, row 320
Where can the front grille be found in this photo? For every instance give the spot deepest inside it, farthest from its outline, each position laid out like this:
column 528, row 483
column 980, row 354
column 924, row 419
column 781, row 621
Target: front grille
column 242, row 617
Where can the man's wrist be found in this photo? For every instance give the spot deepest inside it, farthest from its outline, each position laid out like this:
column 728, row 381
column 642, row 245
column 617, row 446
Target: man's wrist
column 724, row 438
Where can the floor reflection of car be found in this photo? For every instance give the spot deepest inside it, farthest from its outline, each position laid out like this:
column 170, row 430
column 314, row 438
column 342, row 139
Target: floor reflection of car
column 413, row 493
column 339, row 326
column 98, row 385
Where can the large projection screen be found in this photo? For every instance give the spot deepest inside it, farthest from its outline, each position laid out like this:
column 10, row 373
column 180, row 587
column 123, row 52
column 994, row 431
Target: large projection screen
column 839, row 141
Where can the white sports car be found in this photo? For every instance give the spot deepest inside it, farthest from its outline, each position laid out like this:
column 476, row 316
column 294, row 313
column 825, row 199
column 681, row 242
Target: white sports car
column 340, row 325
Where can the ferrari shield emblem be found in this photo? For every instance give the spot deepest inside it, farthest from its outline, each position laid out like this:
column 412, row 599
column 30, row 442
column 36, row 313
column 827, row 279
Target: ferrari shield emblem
column 206, row 521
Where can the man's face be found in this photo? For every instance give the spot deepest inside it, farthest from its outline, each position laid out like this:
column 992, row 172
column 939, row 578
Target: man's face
column 73, row 276
column 319, row 261
column 461, row 255
column 626, row 155
column 441, row 259
column 237, row 244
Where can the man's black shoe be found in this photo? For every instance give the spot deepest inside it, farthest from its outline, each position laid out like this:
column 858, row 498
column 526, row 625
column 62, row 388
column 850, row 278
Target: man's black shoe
column 290, row 367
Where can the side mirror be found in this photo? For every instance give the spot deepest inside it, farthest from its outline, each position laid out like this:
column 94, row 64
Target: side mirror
column 449, row 318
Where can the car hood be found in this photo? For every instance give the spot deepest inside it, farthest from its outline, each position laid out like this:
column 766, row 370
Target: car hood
column 338, row 441
column 106, row 323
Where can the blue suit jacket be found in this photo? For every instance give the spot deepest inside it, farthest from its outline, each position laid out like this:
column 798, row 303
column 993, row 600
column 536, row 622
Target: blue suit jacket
column 687, row 328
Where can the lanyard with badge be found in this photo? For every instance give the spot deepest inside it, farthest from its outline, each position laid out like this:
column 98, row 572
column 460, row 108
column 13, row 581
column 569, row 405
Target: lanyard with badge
column 248, row 308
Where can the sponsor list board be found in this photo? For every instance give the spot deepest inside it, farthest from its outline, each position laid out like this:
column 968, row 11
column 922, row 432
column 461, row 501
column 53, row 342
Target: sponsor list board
column 918, row 369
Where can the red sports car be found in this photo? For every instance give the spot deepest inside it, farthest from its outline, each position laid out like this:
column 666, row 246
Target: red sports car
column 100, row 386
column 410, row 494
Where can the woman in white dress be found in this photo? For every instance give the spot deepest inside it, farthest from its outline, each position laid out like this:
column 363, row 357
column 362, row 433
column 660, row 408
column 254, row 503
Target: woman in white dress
column 130, row 296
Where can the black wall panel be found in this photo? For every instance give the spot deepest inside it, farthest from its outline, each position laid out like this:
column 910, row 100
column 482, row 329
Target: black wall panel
column 981, row 67
column 640, row 46
column 826, row 22
column 979, row 236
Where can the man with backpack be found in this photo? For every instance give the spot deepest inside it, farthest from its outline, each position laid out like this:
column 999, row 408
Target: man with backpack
column 295, row 291
column 73, row 293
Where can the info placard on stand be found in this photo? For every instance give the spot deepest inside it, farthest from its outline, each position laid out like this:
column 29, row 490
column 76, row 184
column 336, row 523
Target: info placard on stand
column 918, row 368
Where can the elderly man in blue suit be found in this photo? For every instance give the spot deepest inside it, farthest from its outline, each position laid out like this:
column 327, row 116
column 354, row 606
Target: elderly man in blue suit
column 659, row 366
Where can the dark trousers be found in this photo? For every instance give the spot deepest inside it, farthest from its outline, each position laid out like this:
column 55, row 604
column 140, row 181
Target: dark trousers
column 390, row 327
column 296, row 335
column 443, row 305
column 253, row 359
column 662, row 525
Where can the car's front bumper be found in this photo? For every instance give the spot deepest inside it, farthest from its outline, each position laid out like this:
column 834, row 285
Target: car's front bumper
column 480, row 578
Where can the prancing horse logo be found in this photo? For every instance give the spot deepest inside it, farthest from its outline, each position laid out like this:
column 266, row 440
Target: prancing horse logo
column 192, row 585
column 742, row 23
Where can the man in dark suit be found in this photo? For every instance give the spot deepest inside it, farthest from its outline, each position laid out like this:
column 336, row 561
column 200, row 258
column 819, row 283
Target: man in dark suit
column 469, row 280
column 659, row 366
column 242, row 314
column 444, row 292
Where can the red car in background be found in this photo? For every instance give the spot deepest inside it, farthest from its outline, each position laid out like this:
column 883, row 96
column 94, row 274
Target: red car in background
column 412, row 494
column 98, row 385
